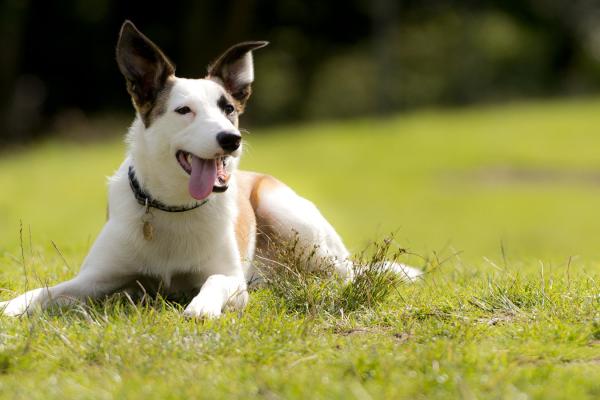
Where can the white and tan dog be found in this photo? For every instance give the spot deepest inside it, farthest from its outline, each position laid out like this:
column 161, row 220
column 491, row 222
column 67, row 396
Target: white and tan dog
column 180, row 213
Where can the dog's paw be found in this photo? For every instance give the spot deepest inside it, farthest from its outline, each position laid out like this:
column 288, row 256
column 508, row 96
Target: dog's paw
column 13, row 308
column 26, row 303
column 203, row 309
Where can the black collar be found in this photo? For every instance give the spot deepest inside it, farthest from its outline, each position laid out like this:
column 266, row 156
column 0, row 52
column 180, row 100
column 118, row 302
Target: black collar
column 146, row 200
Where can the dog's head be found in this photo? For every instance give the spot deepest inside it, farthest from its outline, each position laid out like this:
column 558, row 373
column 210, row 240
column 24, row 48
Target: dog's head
column 190, row 126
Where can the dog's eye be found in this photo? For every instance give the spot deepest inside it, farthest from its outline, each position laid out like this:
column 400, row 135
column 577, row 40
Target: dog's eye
column 225, row 106
column 228, row 109
column 183, row 110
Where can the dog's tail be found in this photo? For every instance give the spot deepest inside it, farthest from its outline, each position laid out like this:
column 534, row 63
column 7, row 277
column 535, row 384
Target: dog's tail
column 405, row 272
column 348, row 270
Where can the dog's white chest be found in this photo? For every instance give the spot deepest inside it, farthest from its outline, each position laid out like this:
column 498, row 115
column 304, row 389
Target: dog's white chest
column 181, row 243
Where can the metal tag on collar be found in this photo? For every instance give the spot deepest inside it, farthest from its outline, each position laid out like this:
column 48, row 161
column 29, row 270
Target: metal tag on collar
column 148, row 228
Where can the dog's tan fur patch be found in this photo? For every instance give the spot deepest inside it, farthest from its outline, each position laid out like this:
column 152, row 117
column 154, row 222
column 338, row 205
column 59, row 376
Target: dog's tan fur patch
column 245, row 225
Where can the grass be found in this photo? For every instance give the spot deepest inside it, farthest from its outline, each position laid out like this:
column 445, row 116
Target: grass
column 316, row 290
column 500, row 204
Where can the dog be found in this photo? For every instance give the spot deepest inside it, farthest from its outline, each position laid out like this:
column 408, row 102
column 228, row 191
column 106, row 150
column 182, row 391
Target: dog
column 181, row 215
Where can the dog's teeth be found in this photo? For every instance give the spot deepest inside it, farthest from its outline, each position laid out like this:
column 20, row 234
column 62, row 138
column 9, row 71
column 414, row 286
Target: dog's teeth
column 188, row 157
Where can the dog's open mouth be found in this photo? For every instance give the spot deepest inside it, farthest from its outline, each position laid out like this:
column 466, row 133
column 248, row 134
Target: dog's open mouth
column 206, row 175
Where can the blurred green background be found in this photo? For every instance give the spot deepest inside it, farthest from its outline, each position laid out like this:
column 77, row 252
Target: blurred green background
column 327, row 59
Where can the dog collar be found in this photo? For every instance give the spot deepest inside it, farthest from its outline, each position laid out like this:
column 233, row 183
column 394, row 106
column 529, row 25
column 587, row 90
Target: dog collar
column 146, row 200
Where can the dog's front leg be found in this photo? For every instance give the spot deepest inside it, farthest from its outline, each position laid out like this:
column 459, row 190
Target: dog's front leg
column 103, row 271
column 81, row 287
column 224, row 287
column 218, row 292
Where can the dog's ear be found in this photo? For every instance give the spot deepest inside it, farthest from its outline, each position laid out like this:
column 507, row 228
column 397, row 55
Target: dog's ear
column 143, row 65
column 234, row 69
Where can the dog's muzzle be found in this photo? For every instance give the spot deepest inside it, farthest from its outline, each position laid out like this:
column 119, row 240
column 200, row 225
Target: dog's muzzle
column 206, row 175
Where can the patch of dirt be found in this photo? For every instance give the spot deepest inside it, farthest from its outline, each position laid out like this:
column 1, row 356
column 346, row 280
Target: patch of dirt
column 502, row 175
column 359, row 331
column 591, row 361
column 540, row 361
column 401, row 337
column 496, row 320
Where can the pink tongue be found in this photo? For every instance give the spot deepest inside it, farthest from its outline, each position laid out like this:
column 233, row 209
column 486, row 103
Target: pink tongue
column 202, row 177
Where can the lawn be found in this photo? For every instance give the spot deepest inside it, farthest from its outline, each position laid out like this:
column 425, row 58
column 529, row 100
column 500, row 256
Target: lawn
column 498, row 204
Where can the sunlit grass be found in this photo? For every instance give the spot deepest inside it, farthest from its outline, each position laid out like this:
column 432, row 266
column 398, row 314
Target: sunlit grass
column 500, row 204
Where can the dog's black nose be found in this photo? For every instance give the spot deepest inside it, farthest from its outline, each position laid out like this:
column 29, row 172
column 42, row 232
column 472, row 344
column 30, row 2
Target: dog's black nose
column 229, row 141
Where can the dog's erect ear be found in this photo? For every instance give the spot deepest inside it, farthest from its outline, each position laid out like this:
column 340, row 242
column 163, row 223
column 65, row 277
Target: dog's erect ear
column 144, row 66
column 235, row 71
